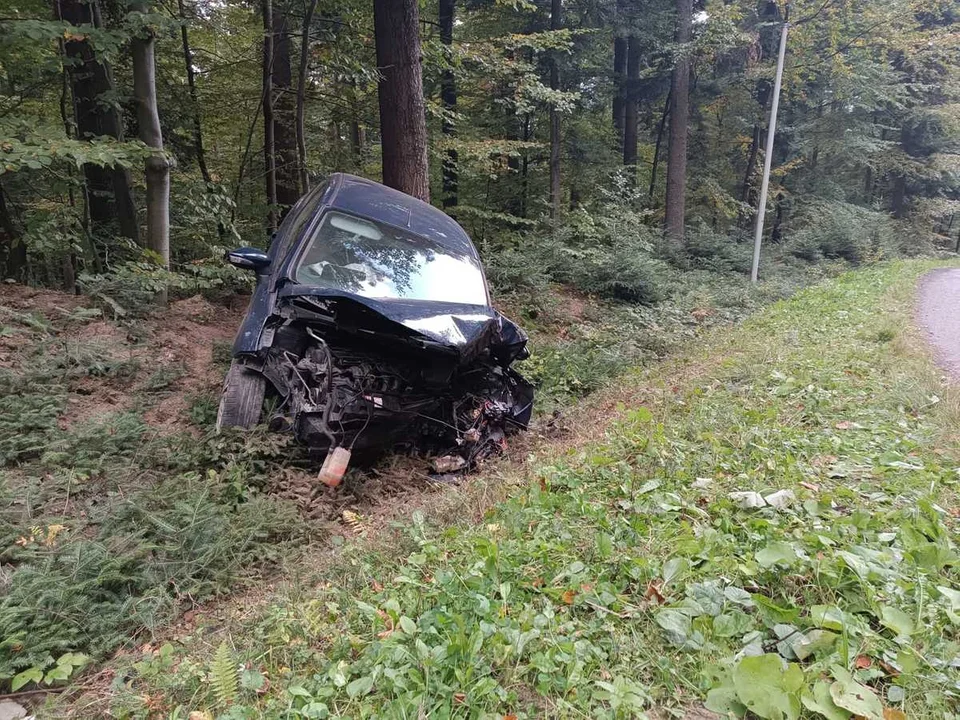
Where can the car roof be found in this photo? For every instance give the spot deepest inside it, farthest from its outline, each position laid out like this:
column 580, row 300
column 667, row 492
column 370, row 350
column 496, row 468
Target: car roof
column 370, row 199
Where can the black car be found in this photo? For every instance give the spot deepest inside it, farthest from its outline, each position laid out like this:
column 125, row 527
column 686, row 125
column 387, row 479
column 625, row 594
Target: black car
column 371, row 326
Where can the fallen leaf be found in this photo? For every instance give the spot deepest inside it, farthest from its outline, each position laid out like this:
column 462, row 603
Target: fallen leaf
column 844, row 425
column 460, row 698
column 568, row 596
column 862, row 662
column 509, row 717
column 810, row 486
column 894, row 714
column 653, row 593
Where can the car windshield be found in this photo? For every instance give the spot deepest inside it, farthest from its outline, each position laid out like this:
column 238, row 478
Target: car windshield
column 374, row 260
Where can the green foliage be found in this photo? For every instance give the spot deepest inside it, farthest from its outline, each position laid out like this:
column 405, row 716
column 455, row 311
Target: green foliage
column 621, row 577
column 224, row 680
column 841, row 230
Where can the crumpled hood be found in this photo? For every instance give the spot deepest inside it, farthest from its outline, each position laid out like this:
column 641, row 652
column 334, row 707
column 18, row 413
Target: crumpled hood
column 466, row 330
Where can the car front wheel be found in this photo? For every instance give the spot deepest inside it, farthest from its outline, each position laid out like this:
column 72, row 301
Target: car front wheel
column 241, row 401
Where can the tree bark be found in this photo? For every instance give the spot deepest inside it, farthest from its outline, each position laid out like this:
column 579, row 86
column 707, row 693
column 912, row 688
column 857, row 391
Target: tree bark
column 679, row 112
column 109, row 197
column 619, row 87
column 148, row 119
column 284, row 115
column 555, row 20
column 656, row 151
column 269, row 146
column 403, row 123
column 194, row 99
column 301, row 95
column 15, row 257
column 448, row 98
column 632, row 105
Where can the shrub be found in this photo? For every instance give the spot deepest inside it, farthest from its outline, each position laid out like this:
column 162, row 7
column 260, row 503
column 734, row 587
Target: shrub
column 842, row 230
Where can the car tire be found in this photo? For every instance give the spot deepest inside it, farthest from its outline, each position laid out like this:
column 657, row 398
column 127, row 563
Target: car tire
column 241, row 402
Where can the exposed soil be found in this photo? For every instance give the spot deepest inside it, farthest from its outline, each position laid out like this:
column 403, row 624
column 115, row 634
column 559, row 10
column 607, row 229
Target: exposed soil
column 157, row 364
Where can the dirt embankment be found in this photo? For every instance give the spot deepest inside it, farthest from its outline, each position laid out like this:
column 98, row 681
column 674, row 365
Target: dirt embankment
column 155, row 364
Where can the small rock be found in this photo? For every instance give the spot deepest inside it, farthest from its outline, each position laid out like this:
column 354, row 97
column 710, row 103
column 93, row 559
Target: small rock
column 781, row 499
column 747, row 500
column 10, row 710
column 701, row 483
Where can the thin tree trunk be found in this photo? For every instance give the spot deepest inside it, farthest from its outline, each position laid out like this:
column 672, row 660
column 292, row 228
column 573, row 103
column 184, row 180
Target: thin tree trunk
column 403, row 123
column 301, row 93
column 448, row 97
column 194, row 98
column 679, row 112
column 269, row 146
column 555, row 20
column 109, row 195
column 284, row 116
column 69, row 261
column 157, row 165
column 15, row 258
column 619, row 87
column 632, row 109
column 656, row 151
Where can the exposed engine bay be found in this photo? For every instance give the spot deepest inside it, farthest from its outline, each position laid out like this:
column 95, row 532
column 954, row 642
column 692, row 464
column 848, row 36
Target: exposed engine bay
column 370, row 392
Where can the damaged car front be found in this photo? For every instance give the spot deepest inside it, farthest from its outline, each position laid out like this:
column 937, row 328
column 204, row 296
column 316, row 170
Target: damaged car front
column 371, row 326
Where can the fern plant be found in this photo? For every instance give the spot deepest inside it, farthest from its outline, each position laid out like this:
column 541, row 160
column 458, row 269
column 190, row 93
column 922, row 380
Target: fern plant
column 224, row 676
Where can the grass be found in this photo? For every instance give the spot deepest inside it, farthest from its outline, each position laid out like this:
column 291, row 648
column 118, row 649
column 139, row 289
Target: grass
column 622, row 578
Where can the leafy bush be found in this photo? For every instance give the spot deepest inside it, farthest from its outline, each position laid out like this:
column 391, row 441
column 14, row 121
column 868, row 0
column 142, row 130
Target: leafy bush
column 842, row 230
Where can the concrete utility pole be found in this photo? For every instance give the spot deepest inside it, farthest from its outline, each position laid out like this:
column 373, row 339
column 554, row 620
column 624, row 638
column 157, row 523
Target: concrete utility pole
column 768, row 153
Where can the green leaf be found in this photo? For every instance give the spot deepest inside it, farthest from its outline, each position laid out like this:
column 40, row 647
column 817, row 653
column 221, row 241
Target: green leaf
column 776, row 553
column 897, row 620
column 360, row 686
column 732, row 624
column 252, row 680
column 407, row 625
column 58, row 672
column 953, row 596
column 819, row 701
column 850, row 695
column 34, row 675
column 676, row 624
column 723, row 701
column 769, row 687
column 813, row 642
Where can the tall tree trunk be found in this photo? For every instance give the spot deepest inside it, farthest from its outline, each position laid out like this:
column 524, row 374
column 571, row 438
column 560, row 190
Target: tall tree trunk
column 448, row 97
column 109, row 197
column 656, row 150
column 679, row 112
column 555, row 21
column 194, row 99
column 157, row 165
column 403, row 123
column 15, row 255
column 632, row 110
column 269, row 146
column 301, row 95
column 285, row 115
column 619, row 87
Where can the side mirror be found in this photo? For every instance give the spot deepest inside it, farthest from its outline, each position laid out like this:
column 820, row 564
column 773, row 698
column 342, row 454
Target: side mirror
column 248, row 258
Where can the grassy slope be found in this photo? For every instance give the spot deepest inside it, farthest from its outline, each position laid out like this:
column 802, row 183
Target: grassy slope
column 622, row 577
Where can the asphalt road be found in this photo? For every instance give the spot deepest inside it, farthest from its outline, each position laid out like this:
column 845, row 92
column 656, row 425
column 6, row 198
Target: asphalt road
column 939, row 314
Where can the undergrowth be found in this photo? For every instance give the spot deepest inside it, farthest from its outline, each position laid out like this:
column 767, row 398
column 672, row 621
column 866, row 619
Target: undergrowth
column 107, row 530
column 650, row 571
